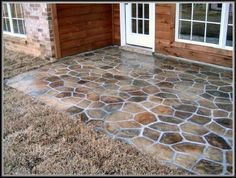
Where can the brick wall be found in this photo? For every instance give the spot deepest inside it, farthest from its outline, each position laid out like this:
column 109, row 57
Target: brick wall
column 39, row 34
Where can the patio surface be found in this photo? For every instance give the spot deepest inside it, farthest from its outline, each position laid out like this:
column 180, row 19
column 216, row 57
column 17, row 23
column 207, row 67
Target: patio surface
column 179, row 113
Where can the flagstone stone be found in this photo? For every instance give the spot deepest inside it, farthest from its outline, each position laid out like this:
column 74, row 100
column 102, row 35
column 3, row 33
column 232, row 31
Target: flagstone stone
column 137, row 99
column 162, row 110
column 172, row 120
column 145, row 118
column 193, row 138
column 199, row 119
column 226, row 107
column 182, row 115
column 119, row 116
column 113, row 107
column 217, row 141
column 225, row 122
column 204, row 111
column 193, row 128
column 186, row 161
column 128, row 133
column 213, row 126
column 214, row 154
column 128, row 124
column 191, row 148
column 166, row 95
column 187, row 108
column 208, row 167
column 150, row 133
column 151, row 89
column 170, row 138
column 164, row 127
column 96, row 113
column 74, row 110
column 111, row 99
column 56, row 84
column 133, row 108
column 161, row 152
column 229, row 157
column 141, row 143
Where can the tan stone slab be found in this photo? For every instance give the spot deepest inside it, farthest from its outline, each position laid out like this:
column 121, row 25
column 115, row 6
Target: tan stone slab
column 119, row 116
column 161, row 152
column 214, row 154
column 133, row 108
column 186, row 160
column 141, row 143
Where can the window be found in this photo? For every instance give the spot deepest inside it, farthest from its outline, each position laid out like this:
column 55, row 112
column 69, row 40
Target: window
column 205, row 23
column 140, row 18
column 13, row 19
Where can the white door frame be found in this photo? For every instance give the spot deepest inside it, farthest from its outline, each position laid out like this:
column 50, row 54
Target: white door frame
column 123, row 26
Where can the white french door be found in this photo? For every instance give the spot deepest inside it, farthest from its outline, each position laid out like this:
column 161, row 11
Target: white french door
column 140, row 22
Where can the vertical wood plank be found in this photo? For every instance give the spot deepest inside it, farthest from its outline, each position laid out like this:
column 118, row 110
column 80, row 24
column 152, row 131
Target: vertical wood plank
column 56, row 31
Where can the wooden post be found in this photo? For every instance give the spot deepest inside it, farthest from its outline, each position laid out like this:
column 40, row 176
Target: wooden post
column 55, row 31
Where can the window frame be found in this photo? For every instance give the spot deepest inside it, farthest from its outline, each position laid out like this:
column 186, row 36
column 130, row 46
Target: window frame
column 11, row 23
column 223, row 27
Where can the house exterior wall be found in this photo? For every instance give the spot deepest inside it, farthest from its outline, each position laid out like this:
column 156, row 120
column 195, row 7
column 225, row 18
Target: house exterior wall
column 39, row 34
column 165, row 41
column 83, row 27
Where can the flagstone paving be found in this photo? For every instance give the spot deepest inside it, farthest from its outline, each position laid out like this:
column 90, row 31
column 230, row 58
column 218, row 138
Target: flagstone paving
column 177, row 112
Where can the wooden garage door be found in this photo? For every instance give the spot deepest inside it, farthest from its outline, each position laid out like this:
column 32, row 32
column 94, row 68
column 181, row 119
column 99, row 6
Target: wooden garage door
column 83, row 27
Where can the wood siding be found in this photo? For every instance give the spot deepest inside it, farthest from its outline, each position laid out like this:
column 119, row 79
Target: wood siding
column 165, row 41
column 116, row 23
column 83, row 27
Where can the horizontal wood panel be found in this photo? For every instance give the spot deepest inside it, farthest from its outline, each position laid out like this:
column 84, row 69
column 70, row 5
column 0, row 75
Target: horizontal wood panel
column 65, row 21
column 102, row 25
column 84, row 27
column 197, row 55
column 165, row 41
column 84, row 9
column 87, row 47
column 83, row 41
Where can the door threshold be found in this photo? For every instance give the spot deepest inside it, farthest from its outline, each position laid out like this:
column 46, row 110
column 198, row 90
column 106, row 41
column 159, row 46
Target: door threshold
column 137, row 49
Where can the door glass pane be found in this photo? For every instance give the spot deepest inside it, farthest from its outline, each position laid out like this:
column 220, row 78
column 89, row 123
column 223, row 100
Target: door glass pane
column 185, row 11
column 184, row 29
column 229, row 39
column 213, row 32
column 198, row 31
column 214, row 12
column 146, row 27
column 13, row 12
column 134, row 26
column 140, row 10
column 140, row 26
column 199, row 11
column 133, row 9
column 146, row 11
column 15, row 26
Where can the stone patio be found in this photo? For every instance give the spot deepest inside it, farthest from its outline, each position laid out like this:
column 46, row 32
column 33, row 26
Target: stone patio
column 179, row 113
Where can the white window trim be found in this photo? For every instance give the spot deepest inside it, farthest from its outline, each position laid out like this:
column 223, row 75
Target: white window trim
column 11, row 24
column 223, row 29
